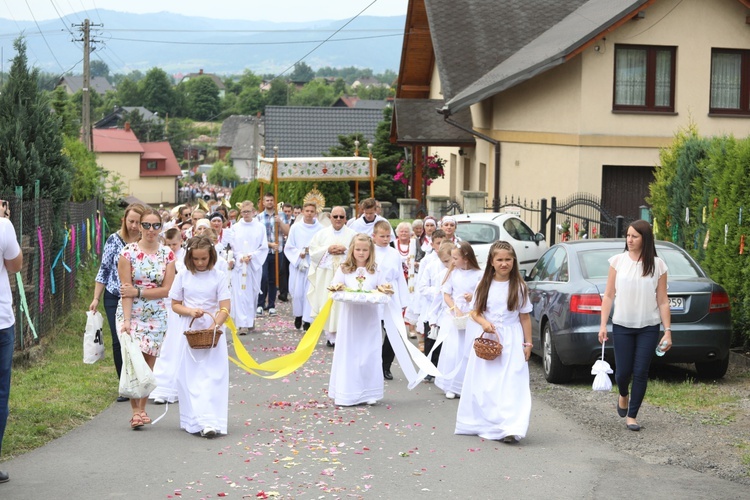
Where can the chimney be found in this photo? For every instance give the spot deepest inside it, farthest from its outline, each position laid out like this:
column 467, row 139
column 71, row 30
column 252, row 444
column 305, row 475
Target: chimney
column 200, row 71
column 127, row 126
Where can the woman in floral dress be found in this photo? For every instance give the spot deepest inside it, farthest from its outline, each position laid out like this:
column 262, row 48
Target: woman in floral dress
column 146, row 269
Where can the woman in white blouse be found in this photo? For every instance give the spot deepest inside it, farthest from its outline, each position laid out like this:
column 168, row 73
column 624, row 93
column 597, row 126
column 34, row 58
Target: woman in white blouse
column 637, row 285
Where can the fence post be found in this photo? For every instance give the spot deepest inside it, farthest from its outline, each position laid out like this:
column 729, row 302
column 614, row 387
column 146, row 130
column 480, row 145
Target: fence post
column 553, row 220
column 619, row 226
column 543, row 221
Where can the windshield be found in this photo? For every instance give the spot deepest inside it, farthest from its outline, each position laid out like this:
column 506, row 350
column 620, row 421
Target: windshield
column 595, row 263
column 478, row 233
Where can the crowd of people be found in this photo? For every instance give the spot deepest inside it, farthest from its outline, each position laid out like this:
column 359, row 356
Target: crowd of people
column 162, row 274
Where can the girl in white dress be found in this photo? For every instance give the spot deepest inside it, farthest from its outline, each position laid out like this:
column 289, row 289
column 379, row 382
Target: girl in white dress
column 458, row 291
column 198, row 293
column 357, row 368
column 496, row 399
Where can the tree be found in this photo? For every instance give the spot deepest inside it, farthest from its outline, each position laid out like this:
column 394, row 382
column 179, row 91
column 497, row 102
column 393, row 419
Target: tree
column 302, row 72
column 222, row 174
column 30, row 138
column 156, row 92
column 178, row 132
column 251, row 101
column 70, row 123
column 388, row 156
column 278, row 94
column 99, row 68
column 144, row 130
column 314, row 93
column 128, row 93
column 202, row 98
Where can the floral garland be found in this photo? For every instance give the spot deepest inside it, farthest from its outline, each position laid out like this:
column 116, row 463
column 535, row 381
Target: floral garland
column 434, row 168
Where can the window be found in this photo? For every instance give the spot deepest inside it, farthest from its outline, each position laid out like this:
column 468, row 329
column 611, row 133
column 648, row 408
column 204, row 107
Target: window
column 730, row 81
column 518, row 230
column 151, row 165
column 644, row 78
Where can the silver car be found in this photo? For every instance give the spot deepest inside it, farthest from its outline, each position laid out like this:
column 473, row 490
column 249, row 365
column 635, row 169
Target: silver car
column 566, row 287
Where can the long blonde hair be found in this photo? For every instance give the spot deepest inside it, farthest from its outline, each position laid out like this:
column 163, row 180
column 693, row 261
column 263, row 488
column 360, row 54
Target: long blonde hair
column 516, row 283
column 350, row 264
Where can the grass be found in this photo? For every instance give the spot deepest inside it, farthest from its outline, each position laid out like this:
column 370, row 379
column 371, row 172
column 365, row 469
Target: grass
column 58, row 392
column 690, row 397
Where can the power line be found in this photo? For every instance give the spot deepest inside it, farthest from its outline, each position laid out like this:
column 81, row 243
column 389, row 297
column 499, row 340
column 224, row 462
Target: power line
column 295, row 42
column 291, row 30
column 43, row 37
column 327, row 39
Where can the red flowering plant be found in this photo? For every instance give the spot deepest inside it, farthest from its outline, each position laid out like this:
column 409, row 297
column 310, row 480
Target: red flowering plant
column 434, row 168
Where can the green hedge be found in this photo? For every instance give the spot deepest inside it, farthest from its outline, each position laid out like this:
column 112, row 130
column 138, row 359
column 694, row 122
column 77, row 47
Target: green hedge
column 711, row 178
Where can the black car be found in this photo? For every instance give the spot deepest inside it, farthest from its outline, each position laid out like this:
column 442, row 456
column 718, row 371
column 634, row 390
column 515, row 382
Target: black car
column 566, row 287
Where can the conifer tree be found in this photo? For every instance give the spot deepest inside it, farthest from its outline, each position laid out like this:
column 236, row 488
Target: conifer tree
column 31, row 144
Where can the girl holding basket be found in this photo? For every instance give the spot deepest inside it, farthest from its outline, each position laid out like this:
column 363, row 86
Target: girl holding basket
column 496, row 398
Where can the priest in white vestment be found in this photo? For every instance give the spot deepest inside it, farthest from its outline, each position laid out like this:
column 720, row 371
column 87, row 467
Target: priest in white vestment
column 328, row 250
column 249, row 249
column 298, row 253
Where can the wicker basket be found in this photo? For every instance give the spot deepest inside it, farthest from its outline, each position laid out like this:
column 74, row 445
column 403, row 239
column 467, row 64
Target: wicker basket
column 203, row 339
column 488, row 349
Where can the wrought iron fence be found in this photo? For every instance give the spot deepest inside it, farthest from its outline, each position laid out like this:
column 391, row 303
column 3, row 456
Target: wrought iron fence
column 529, row 211
column 55, row 246
column 580, row 216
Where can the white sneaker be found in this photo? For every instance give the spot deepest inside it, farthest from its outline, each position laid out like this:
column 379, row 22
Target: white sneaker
column 160, row 401
column 372, row 402
column 272, row 311
column 208, row 432
column 259, row 311
column 450, row 395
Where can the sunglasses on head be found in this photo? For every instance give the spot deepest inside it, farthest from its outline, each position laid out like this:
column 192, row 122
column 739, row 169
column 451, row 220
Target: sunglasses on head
column 149, row 225
column 338, row 217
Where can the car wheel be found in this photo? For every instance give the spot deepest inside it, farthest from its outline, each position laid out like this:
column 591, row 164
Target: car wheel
column 554, row 370
column 712, row 369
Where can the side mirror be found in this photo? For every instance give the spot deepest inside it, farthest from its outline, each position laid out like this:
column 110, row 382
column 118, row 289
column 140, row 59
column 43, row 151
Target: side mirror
column 538, row 237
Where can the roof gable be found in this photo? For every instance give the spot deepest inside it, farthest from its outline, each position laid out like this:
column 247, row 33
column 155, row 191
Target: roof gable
column 308, row 131
column 471, row 37
column 99, row 84
column 551, row 48
column 160, row 151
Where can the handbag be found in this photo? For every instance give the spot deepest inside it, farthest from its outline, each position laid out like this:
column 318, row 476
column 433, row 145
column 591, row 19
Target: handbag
column 93, row 343
column 602, row 370
column 136, row 379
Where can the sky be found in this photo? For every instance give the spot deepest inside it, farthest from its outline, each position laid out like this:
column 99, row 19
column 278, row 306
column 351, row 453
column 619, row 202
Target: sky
column 276, row 10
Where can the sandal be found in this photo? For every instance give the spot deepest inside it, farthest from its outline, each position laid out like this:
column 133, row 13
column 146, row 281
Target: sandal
column 145, row 418
column 136, row 421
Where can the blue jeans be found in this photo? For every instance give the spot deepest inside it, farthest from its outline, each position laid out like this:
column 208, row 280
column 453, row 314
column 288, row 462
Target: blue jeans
column 634, row 349
column 267, row 297
column 110, row 309
column 7, row 343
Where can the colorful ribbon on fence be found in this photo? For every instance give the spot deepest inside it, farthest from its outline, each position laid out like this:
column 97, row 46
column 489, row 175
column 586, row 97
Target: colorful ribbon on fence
column 98, row 222
column 41, row 268
column 88, row 235
column 78, row 246
column 24, row 305
column 54, row 264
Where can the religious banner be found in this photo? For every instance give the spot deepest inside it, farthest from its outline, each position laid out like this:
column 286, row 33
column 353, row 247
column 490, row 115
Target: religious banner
column 354, row 168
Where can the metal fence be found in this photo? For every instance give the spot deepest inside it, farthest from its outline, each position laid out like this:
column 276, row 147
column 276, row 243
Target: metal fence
column 55, row 245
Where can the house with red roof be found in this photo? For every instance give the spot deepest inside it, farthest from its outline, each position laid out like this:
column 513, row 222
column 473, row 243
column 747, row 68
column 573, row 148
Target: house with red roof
column 148, row 170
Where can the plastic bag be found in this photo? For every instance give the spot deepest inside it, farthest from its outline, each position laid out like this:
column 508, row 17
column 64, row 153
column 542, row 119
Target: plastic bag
column 93, row 342
column 602, row 370
column 136, row 379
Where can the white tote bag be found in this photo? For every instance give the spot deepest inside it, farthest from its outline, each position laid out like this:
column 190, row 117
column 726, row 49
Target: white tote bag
column 136, row 379
column 93, row 342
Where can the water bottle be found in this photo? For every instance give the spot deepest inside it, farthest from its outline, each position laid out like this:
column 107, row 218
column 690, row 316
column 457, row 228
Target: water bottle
column 660, row 349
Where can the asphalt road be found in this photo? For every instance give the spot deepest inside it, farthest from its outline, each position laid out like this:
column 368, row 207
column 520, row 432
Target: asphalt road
column 286, row 440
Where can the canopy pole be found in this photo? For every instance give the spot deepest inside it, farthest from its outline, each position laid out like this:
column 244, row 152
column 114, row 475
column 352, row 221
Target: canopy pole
column 275, row 178
column 372, row 177
column 356, row 198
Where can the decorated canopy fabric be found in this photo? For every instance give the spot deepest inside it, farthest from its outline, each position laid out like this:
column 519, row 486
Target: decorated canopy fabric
column 354, row 168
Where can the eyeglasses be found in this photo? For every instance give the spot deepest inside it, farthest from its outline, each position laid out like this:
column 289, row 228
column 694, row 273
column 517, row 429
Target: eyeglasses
column 245, row 212
column 338, row 217
column 149, row 225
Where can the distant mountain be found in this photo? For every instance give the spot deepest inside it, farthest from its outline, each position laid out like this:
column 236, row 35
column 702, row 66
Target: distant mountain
column 182, row 44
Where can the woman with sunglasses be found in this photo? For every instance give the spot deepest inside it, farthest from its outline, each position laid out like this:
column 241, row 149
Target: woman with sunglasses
column 146, row 269
column 107, row 279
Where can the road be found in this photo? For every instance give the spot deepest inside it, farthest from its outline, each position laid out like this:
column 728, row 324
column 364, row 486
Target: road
column 286, row 440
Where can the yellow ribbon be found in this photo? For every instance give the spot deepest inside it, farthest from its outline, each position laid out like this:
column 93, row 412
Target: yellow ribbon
column 88, row 236
column 283, row 365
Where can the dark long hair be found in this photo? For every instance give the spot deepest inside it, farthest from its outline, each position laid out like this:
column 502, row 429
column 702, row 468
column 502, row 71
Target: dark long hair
column 648, row 248
column 516, row 283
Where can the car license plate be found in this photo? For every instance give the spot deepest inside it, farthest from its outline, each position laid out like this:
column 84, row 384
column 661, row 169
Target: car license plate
column 677, row 303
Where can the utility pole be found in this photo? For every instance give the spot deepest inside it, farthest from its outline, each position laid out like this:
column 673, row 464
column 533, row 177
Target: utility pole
column 85, row 28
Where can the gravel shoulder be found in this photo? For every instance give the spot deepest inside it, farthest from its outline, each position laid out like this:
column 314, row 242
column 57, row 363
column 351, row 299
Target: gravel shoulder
column 714, row 441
